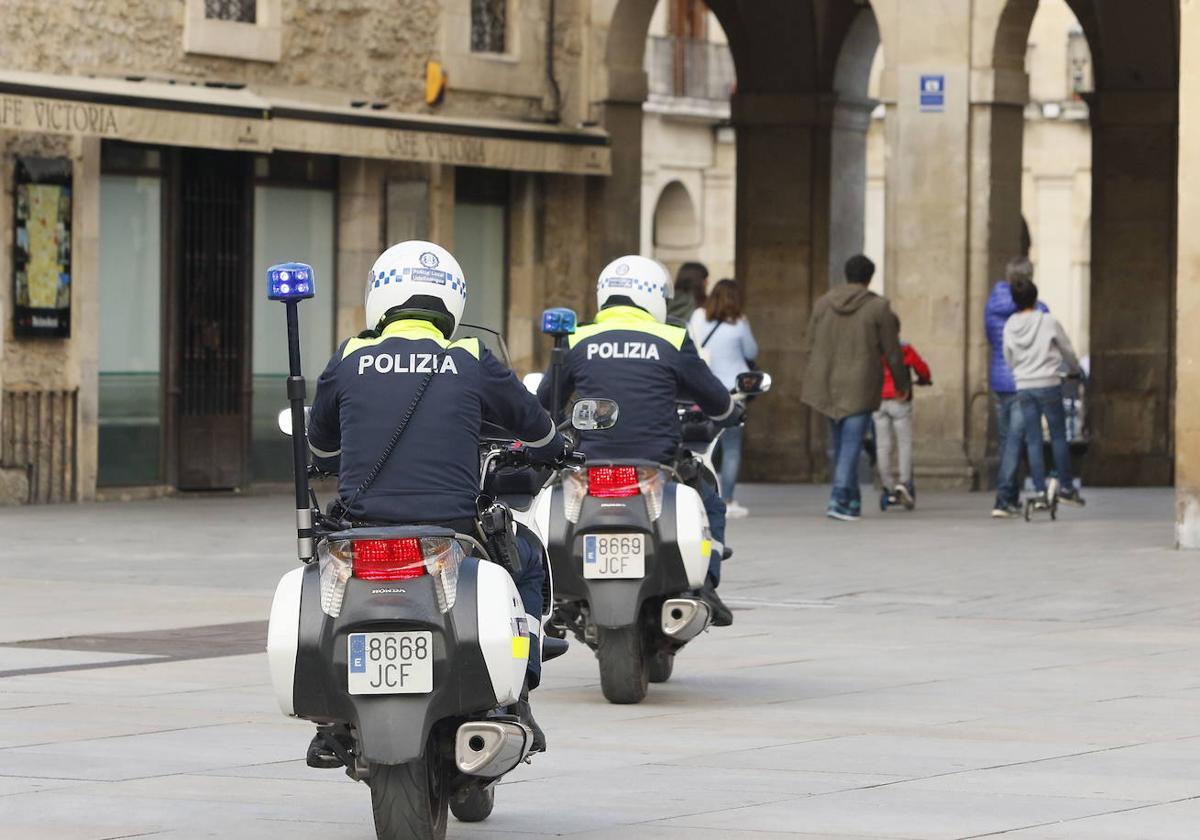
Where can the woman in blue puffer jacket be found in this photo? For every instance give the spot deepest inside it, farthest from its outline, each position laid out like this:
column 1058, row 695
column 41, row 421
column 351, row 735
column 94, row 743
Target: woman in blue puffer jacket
column 999, row 309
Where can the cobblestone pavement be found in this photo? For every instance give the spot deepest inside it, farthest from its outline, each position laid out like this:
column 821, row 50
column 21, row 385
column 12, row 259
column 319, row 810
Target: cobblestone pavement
column 934, row 674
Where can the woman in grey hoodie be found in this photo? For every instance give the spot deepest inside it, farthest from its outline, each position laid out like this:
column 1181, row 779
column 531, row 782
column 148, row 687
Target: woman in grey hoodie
column 1038, row 351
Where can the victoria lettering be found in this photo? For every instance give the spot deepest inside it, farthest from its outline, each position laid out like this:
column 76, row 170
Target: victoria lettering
column 406, row 363
column 622, row 350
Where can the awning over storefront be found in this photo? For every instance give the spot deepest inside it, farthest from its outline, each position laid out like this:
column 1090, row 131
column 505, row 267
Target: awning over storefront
column 243, row 120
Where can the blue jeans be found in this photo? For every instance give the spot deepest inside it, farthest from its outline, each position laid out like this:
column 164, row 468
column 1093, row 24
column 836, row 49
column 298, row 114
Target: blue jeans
column 847, row 435
column 1035, row 404
column 714, row 506
column 731, row 460
column 1010, row 428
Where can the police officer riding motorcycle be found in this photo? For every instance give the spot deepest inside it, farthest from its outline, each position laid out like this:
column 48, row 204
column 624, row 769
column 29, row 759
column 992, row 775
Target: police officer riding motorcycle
column 634, row 356
column 426, row 470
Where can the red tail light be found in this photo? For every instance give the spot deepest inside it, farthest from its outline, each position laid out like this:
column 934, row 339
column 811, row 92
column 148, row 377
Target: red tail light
column 388, row 559
column 612, row 482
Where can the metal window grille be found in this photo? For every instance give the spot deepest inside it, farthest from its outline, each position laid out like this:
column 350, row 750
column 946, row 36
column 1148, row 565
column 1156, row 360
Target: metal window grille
column 691, row 68
column 241, row 11
column 489, row 25
column 38, row 435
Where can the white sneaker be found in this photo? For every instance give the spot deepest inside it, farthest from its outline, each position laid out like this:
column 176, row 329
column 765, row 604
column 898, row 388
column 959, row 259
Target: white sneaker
column 735, row 511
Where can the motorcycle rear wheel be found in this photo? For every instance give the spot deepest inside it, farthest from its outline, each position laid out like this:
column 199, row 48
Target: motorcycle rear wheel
column 410, row 800
column 661, row 666
column 475, row 805
column 623, row 672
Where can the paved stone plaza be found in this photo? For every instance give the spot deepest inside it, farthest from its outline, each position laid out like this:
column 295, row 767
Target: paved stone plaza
column 925, row 675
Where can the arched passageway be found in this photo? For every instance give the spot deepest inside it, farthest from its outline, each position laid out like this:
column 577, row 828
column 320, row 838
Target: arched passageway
column 1129, row 305
column 953, row 201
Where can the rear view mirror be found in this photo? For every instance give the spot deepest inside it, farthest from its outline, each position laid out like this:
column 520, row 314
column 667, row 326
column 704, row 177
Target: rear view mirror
column 753, row 382
column 594, row 415
column 532, row 382
column 285, row 420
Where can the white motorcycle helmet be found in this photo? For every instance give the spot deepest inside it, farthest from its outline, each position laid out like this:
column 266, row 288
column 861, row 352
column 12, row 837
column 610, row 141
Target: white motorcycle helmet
column 643, row 282
column 416, row 279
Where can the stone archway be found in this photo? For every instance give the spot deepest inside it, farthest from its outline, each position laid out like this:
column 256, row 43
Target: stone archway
column 1134, row 118
column 784, row 54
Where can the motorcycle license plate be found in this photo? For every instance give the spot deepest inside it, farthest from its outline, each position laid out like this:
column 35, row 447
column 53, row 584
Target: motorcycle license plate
column 391, row 663
column 614, row 556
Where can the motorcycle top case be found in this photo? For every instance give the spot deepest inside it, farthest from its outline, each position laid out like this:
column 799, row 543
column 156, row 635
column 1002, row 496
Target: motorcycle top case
column 675, row 557
column 480, row 652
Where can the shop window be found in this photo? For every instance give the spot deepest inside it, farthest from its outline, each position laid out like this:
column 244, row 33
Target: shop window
column 290, row 224
column 240, row 11
column 130, row 388
column 489, row 26
column 245, row 29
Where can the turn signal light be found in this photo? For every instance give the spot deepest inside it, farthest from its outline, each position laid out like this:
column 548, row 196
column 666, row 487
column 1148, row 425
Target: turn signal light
column 613, row 482
column 388, row 559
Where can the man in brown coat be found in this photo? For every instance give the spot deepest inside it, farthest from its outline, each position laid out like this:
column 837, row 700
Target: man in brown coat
column 852, row 333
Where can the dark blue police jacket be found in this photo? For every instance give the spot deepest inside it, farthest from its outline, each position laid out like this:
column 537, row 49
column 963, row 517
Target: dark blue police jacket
column 433, row 473
column 628, row 356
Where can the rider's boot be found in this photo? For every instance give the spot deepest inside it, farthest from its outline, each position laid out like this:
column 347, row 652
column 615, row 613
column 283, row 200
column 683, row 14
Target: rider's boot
column 525, row 714
column 722, row 616
column 320, row 754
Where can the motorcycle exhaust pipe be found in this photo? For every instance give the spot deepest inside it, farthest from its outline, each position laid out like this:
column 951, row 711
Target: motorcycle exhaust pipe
column 490, row 748
column 684, row 618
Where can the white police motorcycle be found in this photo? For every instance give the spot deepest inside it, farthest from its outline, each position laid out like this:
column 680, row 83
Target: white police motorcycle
column 406, row 645
column 630, row 545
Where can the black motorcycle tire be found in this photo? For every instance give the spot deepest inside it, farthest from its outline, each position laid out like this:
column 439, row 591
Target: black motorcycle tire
column 475, row 805
column 661, row 666
column 624, row 677
column 410, row 800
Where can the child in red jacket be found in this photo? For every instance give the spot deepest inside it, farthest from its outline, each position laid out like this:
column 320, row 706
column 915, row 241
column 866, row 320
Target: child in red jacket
column 894, row 417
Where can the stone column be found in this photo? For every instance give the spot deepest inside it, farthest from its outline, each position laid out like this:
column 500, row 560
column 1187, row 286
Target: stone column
column 525, row 293
column 929, row 203
column 615, row 202
column 360, row 237
column 953, row 216
column 782, row 258
column 848, row 188
column 1133, row 285
column 85, row 315
column 1187, row 304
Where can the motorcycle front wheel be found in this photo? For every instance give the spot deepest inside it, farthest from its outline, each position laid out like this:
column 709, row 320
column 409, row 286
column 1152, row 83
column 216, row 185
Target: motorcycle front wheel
column 410, row 800
column 661, row 666
column 624, row 676
column 475, row 805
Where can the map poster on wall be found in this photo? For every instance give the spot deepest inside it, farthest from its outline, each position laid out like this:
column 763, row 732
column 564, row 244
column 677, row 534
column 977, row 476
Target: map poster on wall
column 42, row 248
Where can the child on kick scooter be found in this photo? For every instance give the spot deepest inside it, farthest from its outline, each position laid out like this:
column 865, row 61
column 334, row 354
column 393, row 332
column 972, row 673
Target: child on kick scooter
column 894, row 420
column 1038, row 350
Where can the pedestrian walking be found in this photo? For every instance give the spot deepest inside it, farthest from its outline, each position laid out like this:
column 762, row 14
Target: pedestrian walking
column 1037, row 349
column 894, row 422
column 998, row 310
column 690, row 283
column 852, row 334
column 721, row 332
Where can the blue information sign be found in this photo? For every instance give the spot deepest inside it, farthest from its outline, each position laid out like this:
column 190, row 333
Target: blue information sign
column 933, row 93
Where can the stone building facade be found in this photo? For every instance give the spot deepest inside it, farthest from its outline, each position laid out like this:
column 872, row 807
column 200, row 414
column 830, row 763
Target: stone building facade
column 192, row 143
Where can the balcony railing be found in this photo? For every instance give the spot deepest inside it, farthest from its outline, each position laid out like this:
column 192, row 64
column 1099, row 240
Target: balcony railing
column 690, row 68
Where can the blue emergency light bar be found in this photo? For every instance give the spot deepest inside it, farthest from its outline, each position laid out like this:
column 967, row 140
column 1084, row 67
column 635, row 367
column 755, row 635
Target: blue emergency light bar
column 558, row 321
column 291, row 281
